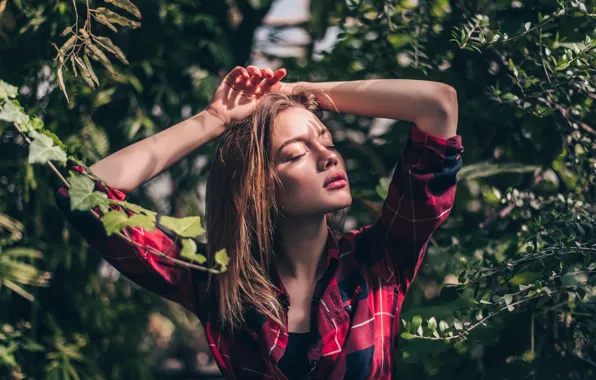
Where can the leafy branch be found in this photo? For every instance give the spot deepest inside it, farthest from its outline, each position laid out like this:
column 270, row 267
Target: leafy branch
column 83, row 43
column 45, row 147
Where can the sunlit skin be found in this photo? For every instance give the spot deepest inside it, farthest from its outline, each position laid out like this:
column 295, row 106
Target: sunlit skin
column 303, row 165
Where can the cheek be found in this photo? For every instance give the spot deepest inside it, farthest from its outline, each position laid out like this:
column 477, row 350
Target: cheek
column 293, row 183
column 298, row 186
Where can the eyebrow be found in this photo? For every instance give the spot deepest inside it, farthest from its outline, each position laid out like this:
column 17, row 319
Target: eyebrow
column 300, row 138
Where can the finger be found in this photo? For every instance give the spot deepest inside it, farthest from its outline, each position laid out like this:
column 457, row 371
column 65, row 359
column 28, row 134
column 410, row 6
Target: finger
column 236, row 75
column 262, row 88
column 254, row 71
column 267, row 72
column 238, row 71
column 277, row 76
column 258, row 86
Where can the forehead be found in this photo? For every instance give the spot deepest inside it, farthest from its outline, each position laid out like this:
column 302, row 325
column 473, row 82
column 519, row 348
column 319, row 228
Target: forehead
column 294, row 122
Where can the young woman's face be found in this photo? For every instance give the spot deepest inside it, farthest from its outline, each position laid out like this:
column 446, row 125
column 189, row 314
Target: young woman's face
column 305, row 159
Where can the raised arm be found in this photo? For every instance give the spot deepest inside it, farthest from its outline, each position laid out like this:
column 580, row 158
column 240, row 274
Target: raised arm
column 422, row 190
column 236, row 97
column 432, row 106
column 130, row 167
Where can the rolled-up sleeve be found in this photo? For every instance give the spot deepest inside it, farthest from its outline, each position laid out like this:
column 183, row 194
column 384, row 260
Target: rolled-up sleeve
column 420, row 198
column 155, row 273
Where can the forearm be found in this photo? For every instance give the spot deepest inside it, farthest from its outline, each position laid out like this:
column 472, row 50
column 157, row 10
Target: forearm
column 130, row 167
column 401, row 99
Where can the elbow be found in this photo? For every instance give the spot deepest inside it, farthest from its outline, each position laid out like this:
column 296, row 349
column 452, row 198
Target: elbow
column 446, row 101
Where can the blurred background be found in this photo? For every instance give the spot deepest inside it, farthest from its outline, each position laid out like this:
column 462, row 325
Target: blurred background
column 523, row 220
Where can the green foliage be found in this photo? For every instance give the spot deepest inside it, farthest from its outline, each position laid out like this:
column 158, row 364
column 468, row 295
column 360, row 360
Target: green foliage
column 185, row 227
column 82, row 196
column 42, row 150
column 81, row 323
column 508, row 283
column 514, row 263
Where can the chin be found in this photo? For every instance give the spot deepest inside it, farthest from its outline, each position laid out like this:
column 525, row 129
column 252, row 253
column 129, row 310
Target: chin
column 340, row 203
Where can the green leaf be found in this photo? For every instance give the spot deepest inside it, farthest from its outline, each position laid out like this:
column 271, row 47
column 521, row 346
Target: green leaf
column 432, row 323
column 408, row 336
column 582, row 7
column 382, row 188
column 458, row 324
column 189, row 251
column 135, row 208
column 35, row 124
column 117, row 220
column 416, row 322
column 488, row 169
column 443, row 326
column 144, row 221
column 12, row 112
column 82, row 196
column 508, row 298
column 478, row 314
column 23, row 252
column 574, row 279
column 189, row 248
column 221, row 257
column 114, row 221
column 18, row 290
column 490, row 35
column 7, row 91
column 33, row 346
column 184, row 227
column 524, row 278
column 407, row 326
column 126, row 5
column 42, row 150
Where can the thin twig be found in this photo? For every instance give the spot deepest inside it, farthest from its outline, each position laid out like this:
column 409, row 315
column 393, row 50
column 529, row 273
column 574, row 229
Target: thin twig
column 481, row 322
column 542, row 57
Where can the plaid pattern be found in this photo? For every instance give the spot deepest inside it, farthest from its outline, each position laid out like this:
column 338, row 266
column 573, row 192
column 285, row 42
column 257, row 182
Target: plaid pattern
column 357, row 302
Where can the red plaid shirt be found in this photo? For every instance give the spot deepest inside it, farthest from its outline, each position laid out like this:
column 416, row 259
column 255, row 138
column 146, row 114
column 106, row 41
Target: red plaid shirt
column 357, row 302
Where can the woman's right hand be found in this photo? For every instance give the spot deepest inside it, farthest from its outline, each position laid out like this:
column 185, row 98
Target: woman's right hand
column 239, row 92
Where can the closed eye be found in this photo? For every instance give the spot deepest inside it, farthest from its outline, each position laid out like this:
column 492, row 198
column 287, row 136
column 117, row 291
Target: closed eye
column 295, row 158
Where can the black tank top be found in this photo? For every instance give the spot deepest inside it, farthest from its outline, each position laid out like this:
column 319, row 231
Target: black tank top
column 294, row 363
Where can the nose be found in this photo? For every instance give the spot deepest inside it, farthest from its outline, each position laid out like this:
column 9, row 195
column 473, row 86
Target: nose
column 329, row 158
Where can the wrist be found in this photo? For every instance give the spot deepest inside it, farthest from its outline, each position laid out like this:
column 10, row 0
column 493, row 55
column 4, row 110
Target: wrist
column 210, row 123
column 292, row 88
column 211, row 112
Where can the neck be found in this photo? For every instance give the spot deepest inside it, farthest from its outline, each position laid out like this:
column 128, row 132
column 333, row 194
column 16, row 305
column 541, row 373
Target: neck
column 302, row 246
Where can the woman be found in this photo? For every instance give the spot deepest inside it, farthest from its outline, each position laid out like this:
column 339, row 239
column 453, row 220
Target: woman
column 297, row 301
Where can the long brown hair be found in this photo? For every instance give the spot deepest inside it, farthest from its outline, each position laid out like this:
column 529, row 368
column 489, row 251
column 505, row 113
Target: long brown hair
column 241, row 210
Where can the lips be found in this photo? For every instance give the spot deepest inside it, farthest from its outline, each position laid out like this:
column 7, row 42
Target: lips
column 334, row 177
